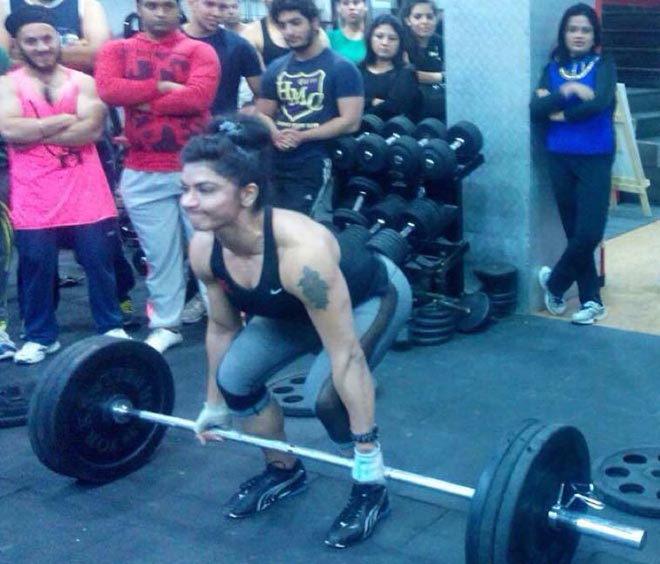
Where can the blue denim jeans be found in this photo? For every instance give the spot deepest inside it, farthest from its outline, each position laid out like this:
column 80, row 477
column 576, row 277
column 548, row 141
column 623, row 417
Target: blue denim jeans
column 37, row 257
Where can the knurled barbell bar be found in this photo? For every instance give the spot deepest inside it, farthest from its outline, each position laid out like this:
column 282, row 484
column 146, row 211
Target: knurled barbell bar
column 92, row 417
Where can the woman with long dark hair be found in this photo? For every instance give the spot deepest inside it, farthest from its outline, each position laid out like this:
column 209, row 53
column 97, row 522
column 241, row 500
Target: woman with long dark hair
column 390, row 84
column 304, row 291
column 576, row 98
column 425, row 51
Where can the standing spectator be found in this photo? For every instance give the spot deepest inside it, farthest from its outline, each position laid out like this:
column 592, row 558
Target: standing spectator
column 268, row 39
column 425, row 51
column 81, row 24
column 230, row 16
column 390, row 85
column 237, row 57
column 348, row 38
column 166, row 82
column 576, row 98
column 7, row 346
column 307, row 97
column 50, row 118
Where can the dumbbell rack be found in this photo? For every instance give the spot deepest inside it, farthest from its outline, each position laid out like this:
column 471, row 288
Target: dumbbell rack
column 438, row 266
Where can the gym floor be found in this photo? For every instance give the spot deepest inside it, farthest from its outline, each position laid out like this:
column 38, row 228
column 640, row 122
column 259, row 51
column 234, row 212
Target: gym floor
column 442, row 411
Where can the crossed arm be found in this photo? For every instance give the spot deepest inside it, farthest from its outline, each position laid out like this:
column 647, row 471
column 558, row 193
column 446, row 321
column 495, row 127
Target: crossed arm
column 85, row 126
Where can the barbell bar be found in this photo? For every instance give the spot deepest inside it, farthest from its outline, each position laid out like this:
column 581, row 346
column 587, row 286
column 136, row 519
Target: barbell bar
column 558, row 515
column 102, row 406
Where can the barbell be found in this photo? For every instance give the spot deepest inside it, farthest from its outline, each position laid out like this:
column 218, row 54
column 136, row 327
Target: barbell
column 102, row 407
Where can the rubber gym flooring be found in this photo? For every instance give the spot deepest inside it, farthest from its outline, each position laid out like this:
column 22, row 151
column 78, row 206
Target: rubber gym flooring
column 442, row 411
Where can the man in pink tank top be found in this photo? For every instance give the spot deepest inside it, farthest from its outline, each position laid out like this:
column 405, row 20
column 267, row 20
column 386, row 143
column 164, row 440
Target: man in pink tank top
column 50, row 117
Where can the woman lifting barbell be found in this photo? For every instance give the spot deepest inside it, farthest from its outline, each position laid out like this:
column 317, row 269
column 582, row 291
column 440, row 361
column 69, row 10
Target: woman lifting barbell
column 296, row 283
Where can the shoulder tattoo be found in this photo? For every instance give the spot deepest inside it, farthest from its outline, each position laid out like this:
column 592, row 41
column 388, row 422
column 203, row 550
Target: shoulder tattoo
column 314, row 288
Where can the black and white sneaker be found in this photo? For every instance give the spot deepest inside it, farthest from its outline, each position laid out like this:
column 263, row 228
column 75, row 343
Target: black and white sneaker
column 262, row 491
column 367, row 505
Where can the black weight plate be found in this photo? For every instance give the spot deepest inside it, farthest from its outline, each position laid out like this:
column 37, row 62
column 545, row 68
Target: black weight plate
column 361, row 185
column 497, row 277
column 289, row 391
column 438, row 160
column 386, row 211
column 70, row 428
column 403, row 156
column 430, row 128
column 424, row 332
column 630, row 480
column 353, row 236
column 371, row 124
column 342, row 152
column 435, row 310
column 476, row 319
column 391, row 244
column 439, row 322
column 430, row 341
column 13, row 406
column 371, row 153
column 399, row 125
column 472, row 139
column 511, row 295
column 344, row 217
column 508, row 520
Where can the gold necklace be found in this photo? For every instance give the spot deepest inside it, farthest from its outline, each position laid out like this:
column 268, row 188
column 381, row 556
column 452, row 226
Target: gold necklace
column 574, row 73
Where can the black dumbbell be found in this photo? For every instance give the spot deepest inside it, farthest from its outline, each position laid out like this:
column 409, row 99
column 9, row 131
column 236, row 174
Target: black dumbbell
column 439, row 159
column 361, row 190
column 343, row 149
column 404, row 154
column 422, row 219
column 371, row 153
column 383, row 214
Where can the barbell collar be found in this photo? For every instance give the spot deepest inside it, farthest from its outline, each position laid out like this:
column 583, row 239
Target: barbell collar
column 558, row 516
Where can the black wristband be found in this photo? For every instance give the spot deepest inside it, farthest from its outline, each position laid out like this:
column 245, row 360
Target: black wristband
column 370, row 437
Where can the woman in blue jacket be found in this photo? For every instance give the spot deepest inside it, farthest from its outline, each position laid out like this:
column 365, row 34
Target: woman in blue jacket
column 576, row 98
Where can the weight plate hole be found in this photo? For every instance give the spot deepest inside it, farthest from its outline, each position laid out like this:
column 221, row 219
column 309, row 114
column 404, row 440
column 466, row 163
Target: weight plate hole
column 617, row 472
column 292, row 399
column 283, row 389
column 655, row 473
column 299, row 380
column 631, row 489
column 635, row 459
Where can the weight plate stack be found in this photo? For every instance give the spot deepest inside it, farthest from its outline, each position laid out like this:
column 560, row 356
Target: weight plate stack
column 630, row 480
column 432, row 324
column 13, row 406
column 499, row 281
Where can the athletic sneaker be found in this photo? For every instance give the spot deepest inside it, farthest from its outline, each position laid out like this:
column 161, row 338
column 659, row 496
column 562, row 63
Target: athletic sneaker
column 32, row 352
column 262, row 491
column 194, row 310
column 556, row 305
column 367, row 505
column 118, row 333
column 589, row 313
column 162, row 339
column 7, row 346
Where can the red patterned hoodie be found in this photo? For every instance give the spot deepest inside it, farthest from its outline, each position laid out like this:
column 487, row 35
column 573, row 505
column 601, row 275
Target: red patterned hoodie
column 157, row 125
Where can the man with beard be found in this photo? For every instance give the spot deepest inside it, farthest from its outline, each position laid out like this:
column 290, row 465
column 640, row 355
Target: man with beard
column 166, row 82
column 237, row 57
column 82, row 26
column 307, row 97
column 50, row 118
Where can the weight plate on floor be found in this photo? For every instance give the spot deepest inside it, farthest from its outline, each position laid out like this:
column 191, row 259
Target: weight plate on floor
column 13, row 406
column 630, row 480
column 429, row 332
column 448, row 320
column 476, row 318
column 289, row 391
column 502, row 296
column 70, row 425
column 429, row 341
column 508, row 519
column 497, row 277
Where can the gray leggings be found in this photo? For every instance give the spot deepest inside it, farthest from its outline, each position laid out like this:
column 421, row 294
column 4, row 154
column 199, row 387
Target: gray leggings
column 265, row 346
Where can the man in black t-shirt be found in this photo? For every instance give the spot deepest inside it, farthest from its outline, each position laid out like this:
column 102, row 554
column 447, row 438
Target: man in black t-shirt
column 237, row 57
column 307, row 97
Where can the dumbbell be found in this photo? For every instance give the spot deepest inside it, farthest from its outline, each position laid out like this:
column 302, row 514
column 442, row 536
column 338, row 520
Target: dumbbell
column 343, row 149
column 371, row 151
column 404, row 156
column 361, row 189
column 380, row 215
column 422, row 219
column 439, row 159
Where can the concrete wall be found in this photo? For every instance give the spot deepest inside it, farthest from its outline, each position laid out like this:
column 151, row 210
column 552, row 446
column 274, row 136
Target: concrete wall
column 495, row 52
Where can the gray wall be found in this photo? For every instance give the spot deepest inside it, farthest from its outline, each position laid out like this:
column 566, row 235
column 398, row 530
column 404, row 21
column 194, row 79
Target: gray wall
column 495, row 52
